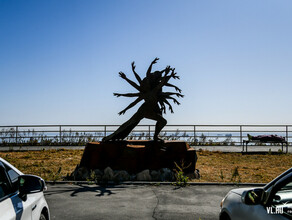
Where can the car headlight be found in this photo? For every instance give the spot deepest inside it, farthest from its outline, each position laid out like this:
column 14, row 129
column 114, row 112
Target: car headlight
column 221, row 203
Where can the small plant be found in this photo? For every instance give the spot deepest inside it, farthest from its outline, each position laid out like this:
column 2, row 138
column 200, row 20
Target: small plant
column 235, row 175
column 202, row 140
column 57, row 175
column 155, row 184
column 91, row 178
column 221, row 175
column 181, row 179
column 228, row 141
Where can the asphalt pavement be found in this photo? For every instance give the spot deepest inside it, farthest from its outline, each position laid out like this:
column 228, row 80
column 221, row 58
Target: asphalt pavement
column 135, row 201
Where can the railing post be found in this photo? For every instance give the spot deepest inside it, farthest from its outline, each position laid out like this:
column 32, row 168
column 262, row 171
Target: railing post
column 60, row 134
column 194, row 133
column 149, row 132
column 16, row 135
column 105, row 131
column 240, row 130
column 287, row 134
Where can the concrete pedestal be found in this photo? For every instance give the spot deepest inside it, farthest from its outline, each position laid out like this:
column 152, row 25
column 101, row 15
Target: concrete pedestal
column 135, row 156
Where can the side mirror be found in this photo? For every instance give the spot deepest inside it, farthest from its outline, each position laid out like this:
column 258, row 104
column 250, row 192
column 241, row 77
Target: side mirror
column 252, row 197
column 28, row 184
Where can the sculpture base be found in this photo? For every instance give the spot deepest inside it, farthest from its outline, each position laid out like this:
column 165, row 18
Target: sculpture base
column 135, row 156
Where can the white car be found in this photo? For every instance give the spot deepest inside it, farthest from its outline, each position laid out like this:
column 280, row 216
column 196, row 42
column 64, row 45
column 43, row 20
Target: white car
column 21, row 196
column 273, row 201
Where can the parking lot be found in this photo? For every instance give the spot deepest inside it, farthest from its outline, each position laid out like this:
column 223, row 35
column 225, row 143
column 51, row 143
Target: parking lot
column 135, row 201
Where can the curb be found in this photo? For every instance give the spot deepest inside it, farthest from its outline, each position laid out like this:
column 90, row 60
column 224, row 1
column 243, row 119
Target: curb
column 154, row 183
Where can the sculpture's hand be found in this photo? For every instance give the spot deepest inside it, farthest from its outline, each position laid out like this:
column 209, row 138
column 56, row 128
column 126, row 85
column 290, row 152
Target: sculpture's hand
column 176, row 102
column 177, row 89
column 122, row 75
column 117, row 94
column 133, row 65
column 155, row 60
column 167, row 70
column 173, row 75
column 122, row 112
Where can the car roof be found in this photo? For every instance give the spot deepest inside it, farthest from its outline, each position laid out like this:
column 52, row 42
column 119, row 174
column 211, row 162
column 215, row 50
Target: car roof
column 10, row 165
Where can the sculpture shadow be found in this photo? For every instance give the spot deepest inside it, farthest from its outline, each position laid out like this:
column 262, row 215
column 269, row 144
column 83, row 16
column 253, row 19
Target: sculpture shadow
column 101, row 190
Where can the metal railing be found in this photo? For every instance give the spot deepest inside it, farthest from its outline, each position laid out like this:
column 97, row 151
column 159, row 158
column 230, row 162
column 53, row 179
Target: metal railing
column 46, row 135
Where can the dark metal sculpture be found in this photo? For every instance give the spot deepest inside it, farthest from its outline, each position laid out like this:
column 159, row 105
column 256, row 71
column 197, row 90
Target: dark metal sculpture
column 149, row 90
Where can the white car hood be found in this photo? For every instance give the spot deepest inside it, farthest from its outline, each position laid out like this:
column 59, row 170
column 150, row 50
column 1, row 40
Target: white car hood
column 239, row 191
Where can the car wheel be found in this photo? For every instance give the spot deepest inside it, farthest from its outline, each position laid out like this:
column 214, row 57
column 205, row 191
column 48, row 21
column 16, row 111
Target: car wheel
column 224, row 216
column 43, row 217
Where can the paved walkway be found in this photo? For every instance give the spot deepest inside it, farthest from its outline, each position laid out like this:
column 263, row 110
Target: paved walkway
column 210, row 148
column 239, row 148
column 25, row 148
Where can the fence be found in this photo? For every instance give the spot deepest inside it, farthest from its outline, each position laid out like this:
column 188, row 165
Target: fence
column 73, row 135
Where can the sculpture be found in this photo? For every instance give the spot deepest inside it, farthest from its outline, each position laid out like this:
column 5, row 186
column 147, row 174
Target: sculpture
column 149, row 90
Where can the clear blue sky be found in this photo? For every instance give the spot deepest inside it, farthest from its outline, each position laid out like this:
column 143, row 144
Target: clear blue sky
column 59, row 60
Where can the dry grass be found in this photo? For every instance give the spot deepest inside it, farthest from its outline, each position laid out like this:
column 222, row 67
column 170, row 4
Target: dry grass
column 48, row 164
column 219, row 167
column 213, row 166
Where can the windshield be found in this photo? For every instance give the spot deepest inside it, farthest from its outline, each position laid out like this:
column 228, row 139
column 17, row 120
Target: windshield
column 266, row 187
column 288, row 187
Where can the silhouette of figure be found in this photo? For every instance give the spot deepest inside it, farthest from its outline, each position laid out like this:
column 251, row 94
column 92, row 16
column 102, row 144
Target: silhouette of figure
column 149, row 90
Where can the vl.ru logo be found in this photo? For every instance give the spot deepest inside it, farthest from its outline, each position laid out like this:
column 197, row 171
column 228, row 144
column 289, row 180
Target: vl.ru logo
column 279, row 210
column 275, row 210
